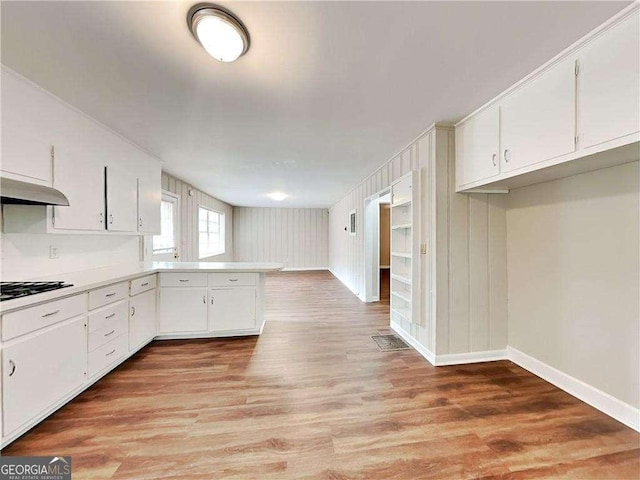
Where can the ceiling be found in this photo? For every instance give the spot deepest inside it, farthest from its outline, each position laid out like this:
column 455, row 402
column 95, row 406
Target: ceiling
column 327, row 93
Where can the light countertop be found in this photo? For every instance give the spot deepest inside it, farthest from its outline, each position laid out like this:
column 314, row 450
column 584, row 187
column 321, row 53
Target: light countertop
column 85, row 280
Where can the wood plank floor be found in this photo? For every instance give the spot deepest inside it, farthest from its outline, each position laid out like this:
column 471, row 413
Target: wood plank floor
column 314, row 398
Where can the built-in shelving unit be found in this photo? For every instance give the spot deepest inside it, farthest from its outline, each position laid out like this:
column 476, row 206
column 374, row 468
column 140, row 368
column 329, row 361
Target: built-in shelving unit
column 404, row 250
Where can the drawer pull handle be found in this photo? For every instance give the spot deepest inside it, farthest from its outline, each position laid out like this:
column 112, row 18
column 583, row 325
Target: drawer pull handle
column 110, row 353
column 183, row 280
column 110, row 316
column 50, row 314
column 144, row 284
column 233, row 279
column 110, row 333
column 13, row 368
column 110, row 294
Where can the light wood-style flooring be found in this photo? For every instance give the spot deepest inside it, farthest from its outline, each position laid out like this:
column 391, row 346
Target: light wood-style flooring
column 314, row 398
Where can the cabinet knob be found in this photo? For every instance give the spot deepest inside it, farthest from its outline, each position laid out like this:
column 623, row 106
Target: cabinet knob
column 493, row 160
column 507, row 155
column 13, row 368
column 101, row 218
column 204, row 299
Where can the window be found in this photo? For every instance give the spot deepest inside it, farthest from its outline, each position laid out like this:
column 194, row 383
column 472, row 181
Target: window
column 166, row 242
column 211, row 232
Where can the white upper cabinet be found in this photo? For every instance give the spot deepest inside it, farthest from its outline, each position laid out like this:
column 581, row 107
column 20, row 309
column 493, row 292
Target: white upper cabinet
column 149, row 196
column 25, row 154
column 609, row 82
column 583, row 103
column 48, row 142
column 26, row 147
column 122, row 200
column 537, row 121
column 81, row 178
column 478, row 147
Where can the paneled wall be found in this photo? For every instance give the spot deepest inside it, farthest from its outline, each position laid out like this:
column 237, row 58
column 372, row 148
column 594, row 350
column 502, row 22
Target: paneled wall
column 189, row 219
column 297, row 237
column 463, row 276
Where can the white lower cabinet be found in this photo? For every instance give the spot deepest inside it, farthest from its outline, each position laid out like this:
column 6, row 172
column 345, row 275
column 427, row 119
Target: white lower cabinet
column 142, row 318
column 183, row 310
column 41, row 370
column 232, row 309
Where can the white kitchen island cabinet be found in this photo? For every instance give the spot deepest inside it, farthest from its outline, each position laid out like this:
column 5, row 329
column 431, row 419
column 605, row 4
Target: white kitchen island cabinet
column 56, row 344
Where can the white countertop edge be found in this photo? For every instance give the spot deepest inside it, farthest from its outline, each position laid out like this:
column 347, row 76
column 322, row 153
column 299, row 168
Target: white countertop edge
column 86, row 280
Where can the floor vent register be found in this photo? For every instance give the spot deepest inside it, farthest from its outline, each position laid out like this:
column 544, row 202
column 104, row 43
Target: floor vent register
column 389, row 343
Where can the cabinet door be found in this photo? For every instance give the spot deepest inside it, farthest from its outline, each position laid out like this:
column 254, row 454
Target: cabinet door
column 232, row 309
column 149, row 196
column 537, row 121
column 39, row 371
column 183, row 310
column 142, row 318
column 122, row 200
column 478, row 147
column 26, row 143
column 26, row 154
column 609, row 96
column 81, row 179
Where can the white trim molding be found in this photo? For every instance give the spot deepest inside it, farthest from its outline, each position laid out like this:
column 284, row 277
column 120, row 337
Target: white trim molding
column 421, row 349
column 304, row 269
column 621, row 411
column 470, row 357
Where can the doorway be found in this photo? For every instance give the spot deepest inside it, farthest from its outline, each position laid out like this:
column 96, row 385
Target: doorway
column 166, row 246
column 377, row 238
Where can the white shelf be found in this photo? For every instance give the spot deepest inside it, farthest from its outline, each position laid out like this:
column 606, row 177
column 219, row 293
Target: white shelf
column 404, row 203
column 401, row 254
column 399, row 227
column 400, row 278
column 401, row 297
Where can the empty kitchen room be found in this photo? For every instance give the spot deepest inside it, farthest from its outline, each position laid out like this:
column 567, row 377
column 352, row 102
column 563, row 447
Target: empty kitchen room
column 319, row 240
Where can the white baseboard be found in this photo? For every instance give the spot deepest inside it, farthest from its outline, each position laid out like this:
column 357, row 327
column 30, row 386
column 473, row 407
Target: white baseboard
column 621, row 411
column 418, row 347
column 470, row 357
column 305, row 269
column 344, row 283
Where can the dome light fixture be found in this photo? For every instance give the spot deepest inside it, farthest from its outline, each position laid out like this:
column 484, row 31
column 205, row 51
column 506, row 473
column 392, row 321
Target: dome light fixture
column 222, row 35
column 278, row 196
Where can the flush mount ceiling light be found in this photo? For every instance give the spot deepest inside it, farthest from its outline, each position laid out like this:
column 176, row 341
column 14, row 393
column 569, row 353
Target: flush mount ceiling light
column 220, row 33
column 277, row 196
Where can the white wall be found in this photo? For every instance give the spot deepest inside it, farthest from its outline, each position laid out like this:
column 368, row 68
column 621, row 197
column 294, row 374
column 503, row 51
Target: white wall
column 463, row 283
column 573, row 277
column 297, row 237
column 26, row 256
column 189, row 219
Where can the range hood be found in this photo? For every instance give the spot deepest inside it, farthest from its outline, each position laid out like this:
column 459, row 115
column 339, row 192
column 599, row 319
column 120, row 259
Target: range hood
column 23, row 193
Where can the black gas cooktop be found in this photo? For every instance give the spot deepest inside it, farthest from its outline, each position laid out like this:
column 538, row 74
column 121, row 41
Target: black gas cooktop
column 11, row 290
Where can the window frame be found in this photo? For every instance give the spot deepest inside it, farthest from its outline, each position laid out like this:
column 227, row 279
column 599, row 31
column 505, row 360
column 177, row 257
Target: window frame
column 221, row 234
column 175, row 253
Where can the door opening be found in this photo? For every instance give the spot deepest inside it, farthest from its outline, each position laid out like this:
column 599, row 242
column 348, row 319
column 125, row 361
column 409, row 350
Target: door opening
column 377, row 238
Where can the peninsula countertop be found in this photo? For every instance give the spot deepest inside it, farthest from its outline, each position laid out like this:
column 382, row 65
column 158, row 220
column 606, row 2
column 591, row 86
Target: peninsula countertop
column 85, row 280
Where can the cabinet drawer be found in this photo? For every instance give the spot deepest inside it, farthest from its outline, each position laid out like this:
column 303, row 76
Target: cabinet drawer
column 232, row 279
column 107, row 354
column 114, row 327
column 33, row 318
column 183, row 279
column 106, row 316
column 106, row 295
column 143, row 284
